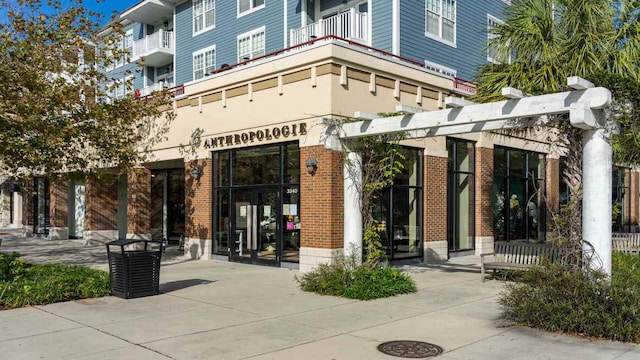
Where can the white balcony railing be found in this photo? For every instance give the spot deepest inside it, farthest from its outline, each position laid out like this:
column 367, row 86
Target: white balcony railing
column 350, row 25
column 160, row 40
column 155, row 87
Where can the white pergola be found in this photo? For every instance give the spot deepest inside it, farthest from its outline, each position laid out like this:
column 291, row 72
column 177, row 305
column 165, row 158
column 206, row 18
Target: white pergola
column 585, row 105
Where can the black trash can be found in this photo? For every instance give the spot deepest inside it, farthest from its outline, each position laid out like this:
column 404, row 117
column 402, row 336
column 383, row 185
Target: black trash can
column 135, row 271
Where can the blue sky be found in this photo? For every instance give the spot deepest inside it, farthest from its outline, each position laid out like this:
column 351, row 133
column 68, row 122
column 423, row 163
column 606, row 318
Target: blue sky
column 108, row 6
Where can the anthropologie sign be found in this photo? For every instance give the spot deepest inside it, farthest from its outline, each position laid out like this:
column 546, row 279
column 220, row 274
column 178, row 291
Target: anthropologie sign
column 251, row 137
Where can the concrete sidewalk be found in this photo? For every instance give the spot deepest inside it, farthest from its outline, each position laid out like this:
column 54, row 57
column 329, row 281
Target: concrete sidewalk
column 219, row 310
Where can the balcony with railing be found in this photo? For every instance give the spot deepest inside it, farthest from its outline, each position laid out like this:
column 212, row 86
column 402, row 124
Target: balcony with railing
column 351, row 25
column 157, row 48
column 174, row 91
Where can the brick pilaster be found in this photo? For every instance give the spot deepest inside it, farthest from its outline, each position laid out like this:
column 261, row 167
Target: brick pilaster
column 322, row 200
column 435, row 198
column 101, row 205
column 198, row 199
column 484, row 190
column 139, row 202
column 59, row 215
column 552, row 200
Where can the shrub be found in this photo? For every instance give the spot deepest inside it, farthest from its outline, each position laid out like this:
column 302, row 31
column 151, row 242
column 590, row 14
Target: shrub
column 556, row 298
column 11, row 266
column 345, row 278
column 46, row 284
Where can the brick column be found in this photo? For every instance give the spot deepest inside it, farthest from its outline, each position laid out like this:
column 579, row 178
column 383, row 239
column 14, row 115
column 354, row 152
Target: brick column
column 321, row 207
column 139, row 204
column 58, row 210
column 635, row 188
column 552, row 199
column 484, row 200
column 101, row 211
column 435, row 206
column 199, row 209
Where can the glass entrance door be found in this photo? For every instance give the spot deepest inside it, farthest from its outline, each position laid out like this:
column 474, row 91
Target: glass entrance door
column 256, row 227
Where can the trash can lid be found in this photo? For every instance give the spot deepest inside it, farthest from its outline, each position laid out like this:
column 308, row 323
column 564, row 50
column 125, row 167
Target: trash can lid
column 123, row 242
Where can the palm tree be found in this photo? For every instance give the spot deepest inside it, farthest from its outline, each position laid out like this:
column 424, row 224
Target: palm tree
column 542, row 42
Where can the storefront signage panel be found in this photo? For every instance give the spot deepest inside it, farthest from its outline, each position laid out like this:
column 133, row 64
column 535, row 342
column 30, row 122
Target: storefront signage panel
column 252, row 137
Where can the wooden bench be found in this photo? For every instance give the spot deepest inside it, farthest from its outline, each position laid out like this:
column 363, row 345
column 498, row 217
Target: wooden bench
column 516, row 256
column 626, row 242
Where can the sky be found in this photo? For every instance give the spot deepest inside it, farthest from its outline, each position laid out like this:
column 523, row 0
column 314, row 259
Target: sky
column 105, row 7
column 108, row 6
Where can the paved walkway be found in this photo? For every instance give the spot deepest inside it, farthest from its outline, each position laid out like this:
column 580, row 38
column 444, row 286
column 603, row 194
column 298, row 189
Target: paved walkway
column 219, row 310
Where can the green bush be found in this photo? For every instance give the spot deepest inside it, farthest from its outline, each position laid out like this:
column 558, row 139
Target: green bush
column 46, row 284
column 555, row 298
column 11, row 266
column 345, row 278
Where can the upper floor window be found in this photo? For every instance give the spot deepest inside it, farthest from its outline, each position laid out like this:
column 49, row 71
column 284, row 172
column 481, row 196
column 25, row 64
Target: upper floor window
column 492, row 53
column 204, row 61
column 251, row 45
column 203, row 15
column 127, row 46
column 440, row 20
column 247, row 6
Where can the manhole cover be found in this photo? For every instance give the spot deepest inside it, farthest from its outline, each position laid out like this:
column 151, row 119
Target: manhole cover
column 410, row 349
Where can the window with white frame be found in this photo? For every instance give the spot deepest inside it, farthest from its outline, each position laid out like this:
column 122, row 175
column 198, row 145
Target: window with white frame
column 204, row 15
column 109, row 63
column 127, row 46
column 251, row 45
column 440, row 19
column 245, row 6
column 118, row 89
column 204, row 61
column 492, row 55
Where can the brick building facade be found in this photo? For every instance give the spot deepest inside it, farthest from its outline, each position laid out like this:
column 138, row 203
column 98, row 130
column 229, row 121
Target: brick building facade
column 262, row 188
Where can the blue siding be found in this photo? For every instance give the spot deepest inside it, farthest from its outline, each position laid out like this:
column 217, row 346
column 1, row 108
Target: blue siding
column 131, row 69
column 382, row 15
column 466, row 57
column 224, row 35
column 294, row 14
column 471, row 37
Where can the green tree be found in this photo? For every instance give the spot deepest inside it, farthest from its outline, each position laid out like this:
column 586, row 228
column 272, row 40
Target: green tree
column 56, row 112
column 541, row 43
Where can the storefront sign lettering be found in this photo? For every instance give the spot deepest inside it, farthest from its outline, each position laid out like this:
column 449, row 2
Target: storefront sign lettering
column 251, row 137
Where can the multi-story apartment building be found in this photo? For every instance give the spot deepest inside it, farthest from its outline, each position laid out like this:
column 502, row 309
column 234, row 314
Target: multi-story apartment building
column 184, row 41
column 254, row 79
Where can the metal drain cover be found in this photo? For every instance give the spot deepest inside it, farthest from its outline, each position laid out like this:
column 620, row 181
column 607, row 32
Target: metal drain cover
column 410, row 349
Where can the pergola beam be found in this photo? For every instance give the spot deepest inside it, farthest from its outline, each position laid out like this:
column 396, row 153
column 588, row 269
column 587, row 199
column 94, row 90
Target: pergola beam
column 534, row 106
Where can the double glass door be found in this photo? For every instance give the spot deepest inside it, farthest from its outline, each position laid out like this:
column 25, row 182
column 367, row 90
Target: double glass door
column 256, row 227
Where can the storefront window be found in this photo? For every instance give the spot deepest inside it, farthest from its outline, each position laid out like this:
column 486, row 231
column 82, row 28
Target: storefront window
column 460, row 195
column 292, row 164
column 258, row 166
column 168, row 205
column 398, row 210
column 221, row 240
column 222, row 171
column 621, row 214
column 257, row 204
column 291, row 221
column 518, row 193
column 564, row 188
